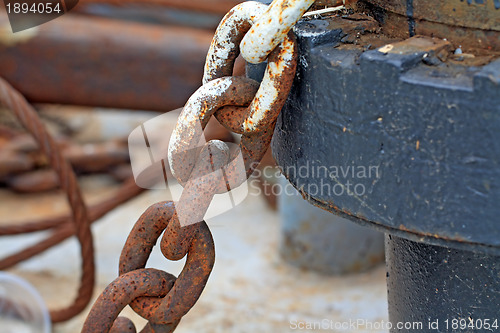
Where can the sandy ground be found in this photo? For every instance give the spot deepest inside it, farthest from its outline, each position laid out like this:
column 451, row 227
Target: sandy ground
column 250, row 290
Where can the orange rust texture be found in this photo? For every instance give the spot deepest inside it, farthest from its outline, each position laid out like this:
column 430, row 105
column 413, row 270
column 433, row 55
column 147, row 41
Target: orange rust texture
column 156, row 295
column 457, row 238
column 212, row 6
column 107, row 63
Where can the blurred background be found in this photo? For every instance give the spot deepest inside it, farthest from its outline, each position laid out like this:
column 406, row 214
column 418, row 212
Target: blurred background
column 93, row 76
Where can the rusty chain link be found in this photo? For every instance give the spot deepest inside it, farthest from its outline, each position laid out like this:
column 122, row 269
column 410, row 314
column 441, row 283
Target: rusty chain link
column 271, row 28
column 244, row 107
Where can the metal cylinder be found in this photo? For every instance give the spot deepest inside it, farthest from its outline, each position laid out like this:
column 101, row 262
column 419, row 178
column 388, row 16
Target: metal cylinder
column 438, row 289
column 419, row 147
column 312, row 238
column 101, row 62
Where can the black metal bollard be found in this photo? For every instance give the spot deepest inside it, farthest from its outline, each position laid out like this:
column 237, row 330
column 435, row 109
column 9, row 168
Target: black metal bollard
column 439, row 289
column 403, row 138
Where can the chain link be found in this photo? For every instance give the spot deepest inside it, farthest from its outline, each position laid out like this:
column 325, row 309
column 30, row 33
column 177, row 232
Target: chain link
column 271, row 28
column 244, row 107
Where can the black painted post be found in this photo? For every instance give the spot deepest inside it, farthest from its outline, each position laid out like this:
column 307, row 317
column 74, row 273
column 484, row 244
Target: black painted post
column 441, row 289
column 430, row 128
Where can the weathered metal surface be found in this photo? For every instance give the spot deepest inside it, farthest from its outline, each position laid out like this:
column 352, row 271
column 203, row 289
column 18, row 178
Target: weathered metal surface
column 279, row 74
column 255, row 122
column 105, row 63
column 319, row 4
column 206, row 180
column 146, row 282
column 452, row 290
column 155, row 295
column 432, row 46
column 153, row 14
column 314, row 239
column 195, row 115
column 35, row 181
column 471, row 24
column 23, row 165
column 224, row 48
column 166, row 306
column 483, row 14
column 428, row 131
column 194, row 165
column 212, row 6
column 271, row 28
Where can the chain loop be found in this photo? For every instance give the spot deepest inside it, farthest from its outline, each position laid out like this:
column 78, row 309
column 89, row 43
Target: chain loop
column 255, row 120
column 278, row 76
column 225, row 45
column 271, row 28
column 184, row 144
column 204, row 169
column 140, row 283
column 155, row 295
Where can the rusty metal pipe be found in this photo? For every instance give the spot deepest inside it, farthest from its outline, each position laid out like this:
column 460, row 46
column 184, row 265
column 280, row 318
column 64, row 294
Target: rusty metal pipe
column 211, row 6
column 62, row 225
column 102, row 62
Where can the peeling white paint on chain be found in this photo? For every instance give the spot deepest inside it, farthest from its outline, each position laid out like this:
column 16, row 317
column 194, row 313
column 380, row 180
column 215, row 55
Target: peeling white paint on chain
column 222, row 44
column 188, row 129
column 268, row 92
column 271, row 28
column 273, row 23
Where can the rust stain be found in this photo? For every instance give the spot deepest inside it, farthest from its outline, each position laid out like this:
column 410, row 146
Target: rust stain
column 418, row 44
column 127, row 65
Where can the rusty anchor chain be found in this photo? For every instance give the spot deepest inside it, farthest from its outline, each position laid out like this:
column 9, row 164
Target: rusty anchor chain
column 244, row 107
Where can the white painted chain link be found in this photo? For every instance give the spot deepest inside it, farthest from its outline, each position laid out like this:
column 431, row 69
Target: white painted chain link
column 271, row 28
column 262, row 32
